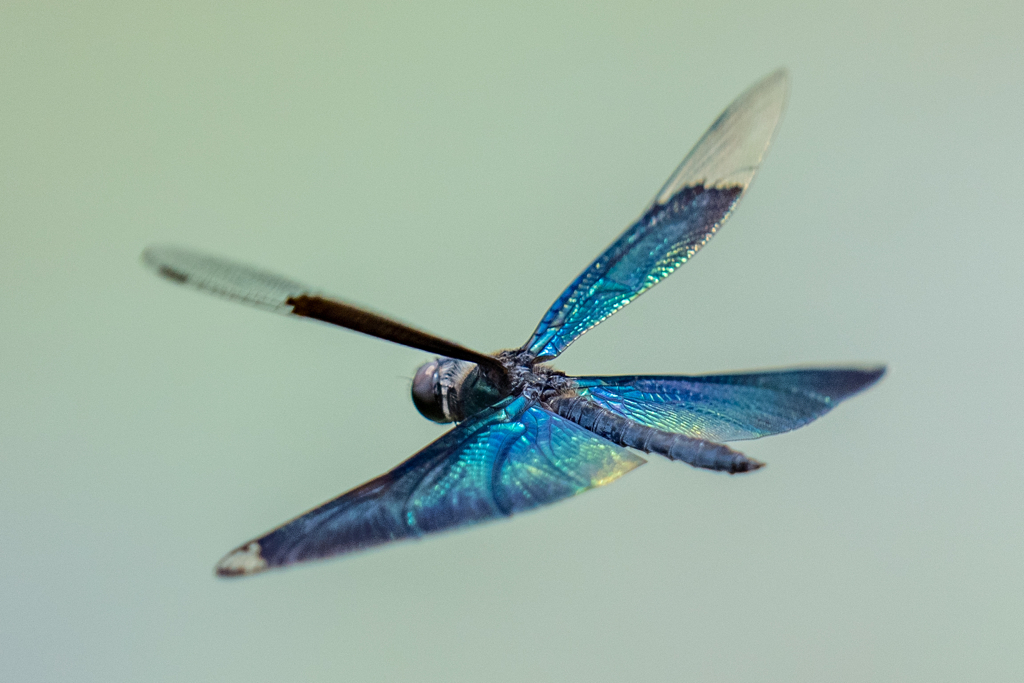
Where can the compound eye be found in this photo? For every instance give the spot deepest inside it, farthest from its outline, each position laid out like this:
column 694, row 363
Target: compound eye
column 426, row 393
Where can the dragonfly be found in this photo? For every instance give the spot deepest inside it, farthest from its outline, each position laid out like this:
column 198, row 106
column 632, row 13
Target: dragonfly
column 526, row 434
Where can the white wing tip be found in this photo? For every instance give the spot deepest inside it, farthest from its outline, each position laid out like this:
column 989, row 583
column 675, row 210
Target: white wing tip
column 243, row 561
column 773, row 87
column 776, row 80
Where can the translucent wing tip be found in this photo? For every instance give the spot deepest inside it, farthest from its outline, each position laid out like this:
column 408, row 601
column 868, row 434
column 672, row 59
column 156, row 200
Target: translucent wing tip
column 759, row 108
column 768, row 96
column 775, row 80
column 161, row 260
column 730, row 152
column 222, row 277
column 771, row 94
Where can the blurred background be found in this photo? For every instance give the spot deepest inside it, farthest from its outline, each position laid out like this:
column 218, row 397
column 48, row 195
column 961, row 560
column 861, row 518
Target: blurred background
column 456, row 165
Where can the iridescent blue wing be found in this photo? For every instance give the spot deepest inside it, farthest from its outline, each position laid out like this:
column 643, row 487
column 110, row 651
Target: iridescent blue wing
column 684, row 215
column 729, row 407
column 510, row 458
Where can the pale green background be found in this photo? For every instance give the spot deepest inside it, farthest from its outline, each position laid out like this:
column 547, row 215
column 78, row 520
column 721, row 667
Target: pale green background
column 456, row 165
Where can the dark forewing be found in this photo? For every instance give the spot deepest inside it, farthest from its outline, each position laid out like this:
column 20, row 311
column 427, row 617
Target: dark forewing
column 272, row 292
column 684, row 215
column 729, row 407
column 513, row 457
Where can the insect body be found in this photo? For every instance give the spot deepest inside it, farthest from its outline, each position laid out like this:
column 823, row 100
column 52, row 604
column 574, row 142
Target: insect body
column 527, row 434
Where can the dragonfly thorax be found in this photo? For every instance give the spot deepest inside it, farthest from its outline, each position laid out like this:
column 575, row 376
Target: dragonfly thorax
column 450, row 390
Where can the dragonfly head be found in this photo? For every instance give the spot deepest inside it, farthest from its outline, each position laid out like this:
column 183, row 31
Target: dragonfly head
column 435, row 387
column 449, row 390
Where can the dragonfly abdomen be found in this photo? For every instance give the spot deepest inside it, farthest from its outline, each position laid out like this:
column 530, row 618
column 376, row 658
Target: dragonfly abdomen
column 625, row 432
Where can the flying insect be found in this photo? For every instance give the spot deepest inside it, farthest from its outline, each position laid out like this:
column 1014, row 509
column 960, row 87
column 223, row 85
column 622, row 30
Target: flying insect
column 527, row 434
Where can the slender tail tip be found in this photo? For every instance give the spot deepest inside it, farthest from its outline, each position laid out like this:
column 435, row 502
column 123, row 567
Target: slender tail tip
column 745, row 464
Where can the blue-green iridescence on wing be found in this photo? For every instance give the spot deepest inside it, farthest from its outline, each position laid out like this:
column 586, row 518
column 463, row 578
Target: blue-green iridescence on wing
column 661, row 241
column 513, row 457
column 729, row 407
column 684, row 215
